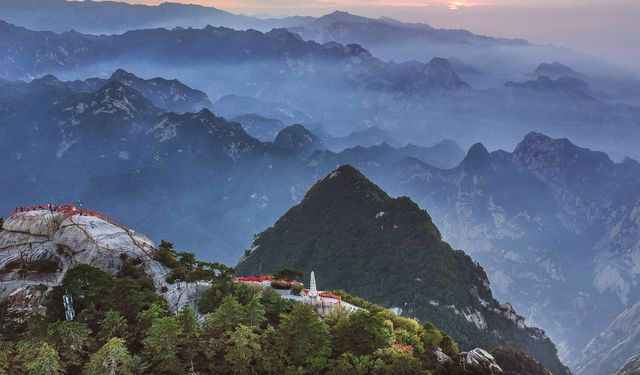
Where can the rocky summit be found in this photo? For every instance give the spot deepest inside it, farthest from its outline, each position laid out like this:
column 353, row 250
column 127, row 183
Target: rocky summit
column 39, row 244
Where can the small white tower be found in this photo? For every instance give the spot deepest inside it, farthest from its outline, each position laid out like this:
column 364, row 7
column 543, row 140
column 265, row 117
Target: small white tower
column 313, row 291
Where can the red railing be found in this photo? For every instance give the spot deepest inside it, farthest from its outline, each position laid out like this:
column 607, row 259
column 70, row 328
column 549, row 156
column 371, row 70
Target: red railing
column 68, row 209
column 327, row 295
column 324, row 295
column 251, row 279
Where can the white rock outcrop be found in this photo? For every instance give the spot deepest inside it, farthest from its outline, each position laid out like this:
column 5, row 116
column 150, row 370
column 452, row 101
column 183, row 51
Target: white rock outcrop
column 37, row 247
column 479, row 358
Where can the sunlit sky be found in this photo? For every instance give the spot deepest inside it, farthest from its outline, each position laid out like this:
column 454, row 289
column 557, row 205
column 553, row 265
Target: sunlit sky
column 606, row 28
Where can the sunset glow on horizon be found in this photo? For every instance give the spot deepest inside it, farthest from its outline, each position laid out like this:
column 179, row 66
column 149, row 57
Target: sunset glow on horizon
column 262, row 5
column 455, row 5
column 592, row 26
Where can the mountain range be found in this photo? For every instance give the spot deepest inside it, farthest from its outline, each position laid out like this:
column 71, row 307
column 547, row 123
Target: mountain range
column 117, row 149
column 112, row 17
column 250, row 119
column 344, row 88
column 390, row 39
column 574, row 279
column 95, row 140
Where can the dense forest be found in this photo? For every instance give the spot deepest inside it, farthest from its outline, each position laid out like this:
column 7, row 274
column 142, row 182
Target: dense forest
column 124, row 326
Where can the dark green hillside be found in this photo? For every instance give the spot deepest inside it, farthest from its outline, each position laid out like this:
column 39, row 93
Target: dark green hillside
column 514, row 362
column 354, row 236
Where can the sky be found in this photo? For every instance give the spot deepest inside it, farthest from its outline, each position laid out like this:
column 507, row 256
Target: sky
column 606, row 28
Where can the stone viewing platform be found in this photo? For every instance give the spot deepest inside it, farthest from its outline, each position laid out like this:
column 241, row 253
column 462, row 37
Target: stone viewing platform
column 322, row 302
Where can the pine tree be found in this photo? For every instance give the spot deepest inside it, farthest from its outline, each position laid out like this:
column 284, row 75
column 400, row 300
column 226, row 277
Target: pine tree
column 112, row 359
column 225, row 318
column 254, row 313
column 40, row 360
column 113, row 325
column 362, row 333
column 69, row 340
column 5, row 355
column 304, row 338
column 243, row 349
column 161, row 346
column 148, row 316
column 190, row 336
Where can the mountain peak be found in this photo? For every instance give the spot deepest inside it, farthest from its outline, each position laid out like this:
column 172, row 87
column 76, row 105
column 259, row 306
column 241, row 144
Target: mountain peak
column 117, row 97
column 554, row 70
column 337, row 13
column 170, row 95
column 345, row 172
column 353, row 234
column 546, row 156
column 536, row 140
column 123, row 74
column 340, row 16
column 477, row 155
column 48, row 79
column 439, row 74
column 343, row 187
column 565, row 84
column 297, row 138
column 536, row 137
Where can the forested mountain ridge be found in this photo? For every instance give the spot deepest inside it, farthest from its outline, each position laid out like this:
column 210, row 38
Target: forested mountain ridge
column 134, row 308
column 388, row 250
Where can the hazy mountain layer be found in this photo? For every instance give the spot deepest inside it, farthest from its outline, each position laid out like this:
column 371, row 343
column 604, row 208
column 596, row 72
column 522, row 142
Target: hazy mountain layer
column 342, row 87
column 122, row 154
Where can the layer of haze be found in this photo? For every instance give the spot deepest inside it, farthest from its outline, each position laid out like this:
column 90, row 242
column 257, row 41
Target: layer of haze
column 606, row 29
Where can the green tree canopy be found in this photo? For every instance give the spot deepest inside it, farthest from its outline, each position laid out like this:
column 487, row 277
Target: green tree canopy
column 5, row 355
column 304, row 338
column 161, row 347
column 112, row 359
column 69, row 339
column 390, row 361
column 41, row 359
column 362, row 333
column 113, row 325
column 190, row 335
column 243, row 350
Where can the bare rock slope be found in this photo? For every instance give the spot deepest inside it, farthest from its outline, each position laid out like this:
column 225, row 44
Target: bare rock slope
column 38, row 246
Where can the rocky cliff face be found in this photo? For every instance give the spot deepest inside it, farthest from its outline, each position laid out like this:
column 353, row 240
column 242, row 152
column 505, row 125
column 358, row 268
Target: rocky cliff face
column 38, row 246
column 632, row 367
column 555, row 226
column 614, row 346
